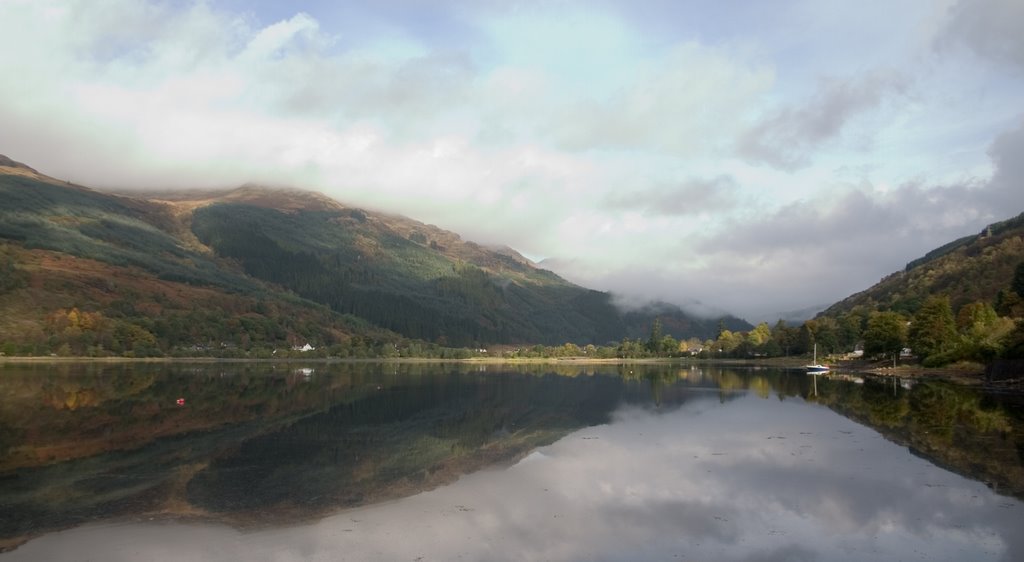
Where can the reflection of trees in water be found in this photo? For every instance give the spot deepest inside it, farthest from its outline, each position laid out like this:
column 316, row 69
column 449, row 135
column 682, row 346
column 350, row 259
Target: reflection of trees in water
column 270, row 436
column 107, row 440
column 954, row 426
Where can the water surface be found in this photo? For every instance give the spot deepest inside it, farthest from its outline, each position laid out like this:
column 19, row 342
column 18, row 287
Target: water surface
column 441, row 462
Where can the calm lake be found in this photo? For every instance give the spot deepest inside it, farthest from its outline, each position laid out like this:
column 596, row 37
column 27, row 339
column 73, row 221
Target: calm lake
column 380, row 461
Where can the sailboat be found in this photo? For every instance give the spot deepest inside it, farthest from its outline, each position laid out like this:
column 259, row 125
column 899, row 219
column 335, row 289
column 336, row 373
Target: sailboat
column 814, row 367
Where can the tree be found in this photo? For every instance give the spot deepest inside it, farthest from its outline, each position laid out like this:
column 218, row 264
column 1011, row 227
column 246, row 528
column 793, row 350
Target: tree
column 826, row 333
column 933, row 330
column 1018, row 280
column 760, row 334
column 631, row 349
column 974, row 317
column 1013, row 343
column 886, row 334
column 772, row 348
column 805, row 341
column 728, row 341
column 981, row 331
column 668, row 346
column 851, row 327
column 784, row 336
column 654, row 343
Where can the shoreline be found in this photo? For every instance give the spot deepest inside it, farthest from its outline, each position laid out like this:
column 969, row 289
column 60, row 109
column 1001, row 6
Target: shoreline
column 966, row 373
column 790, row 362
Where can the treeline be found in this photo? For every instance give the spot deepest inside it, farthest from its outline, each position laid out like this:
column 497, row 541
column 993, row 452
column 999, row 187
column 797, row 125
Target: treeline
column 656, row 345
column 935, row 333
column 210, row 333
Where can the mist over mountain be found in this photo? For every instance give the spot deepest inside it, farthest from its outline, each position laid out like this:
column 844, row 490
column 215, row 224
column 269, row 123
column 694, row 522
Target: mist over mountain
column 259, row 265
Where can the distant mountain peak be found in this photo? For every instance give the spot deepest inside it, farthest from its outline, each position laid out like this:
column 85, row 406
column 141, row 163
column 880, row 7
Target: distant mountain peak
column 284, row 199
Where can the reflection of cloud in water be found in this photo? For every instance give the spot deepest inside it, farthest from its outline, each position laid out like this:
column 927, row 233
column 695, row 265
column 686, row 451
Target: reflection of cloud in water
column 749, row 479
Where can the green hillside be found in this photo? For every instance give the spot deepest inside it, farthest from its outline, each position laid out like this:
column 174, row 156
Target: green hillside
column 85, row 272
column 41, row 213
column 356, row 263
column 963, row 301
column 972, row 269
column 415, row 279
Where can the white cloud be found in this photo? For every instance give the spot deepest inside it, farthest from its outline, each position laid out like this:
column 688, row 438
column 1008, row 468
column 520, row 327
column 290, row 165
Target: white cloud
column 787, row 138
column 271, row 41
column 599, row 136
column 689, row 102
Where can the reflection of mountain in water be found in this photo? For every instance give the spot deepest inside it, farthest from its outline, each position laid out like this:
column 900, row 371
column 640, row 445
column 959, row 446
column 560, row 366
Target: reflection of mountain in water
column 414, row 434
column 265, row 444
column 260, row 445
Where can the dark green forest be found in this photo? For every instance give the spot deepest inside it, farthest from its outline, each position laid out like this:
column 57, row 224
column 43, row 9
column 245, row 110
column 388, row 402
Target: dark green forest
column 404, row 285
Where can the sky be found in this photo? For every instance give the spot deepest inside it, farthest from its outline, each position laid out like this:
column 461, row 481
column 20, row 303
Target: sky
column 755, row 158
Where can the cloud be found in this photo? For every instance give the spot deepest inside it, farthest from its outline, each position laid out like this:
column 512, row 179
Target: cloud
column 688, row 102
column 810, row 251
column 646, row 146
column 1005, row 190
column 823, row 249
column 272, row 41
column 788, row 138
column 206, row 89
column 990, row 28
column 690, row 197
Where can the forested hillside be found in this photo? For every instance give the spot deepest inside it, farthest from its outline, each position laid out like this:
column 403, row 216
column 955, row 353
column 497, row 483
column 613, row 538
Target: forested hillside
column 352, row 262
column 415, row 279
column 961, row 301
column 86, row 273
column 971, row 269
column 255, row 269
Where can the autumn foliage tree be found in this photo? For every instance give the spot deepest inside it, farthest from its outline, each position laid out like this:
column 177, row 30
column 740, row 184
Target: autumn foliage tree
column 886, row 334
column 932, row 332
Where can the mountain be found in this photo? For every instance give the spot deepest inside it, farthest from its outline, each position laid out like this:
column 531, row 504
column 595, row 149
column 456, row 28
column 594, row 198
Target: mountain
column 971, row 269
column 415, row 279
column 799, row 316
column 82, row 271
column 675, row 321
